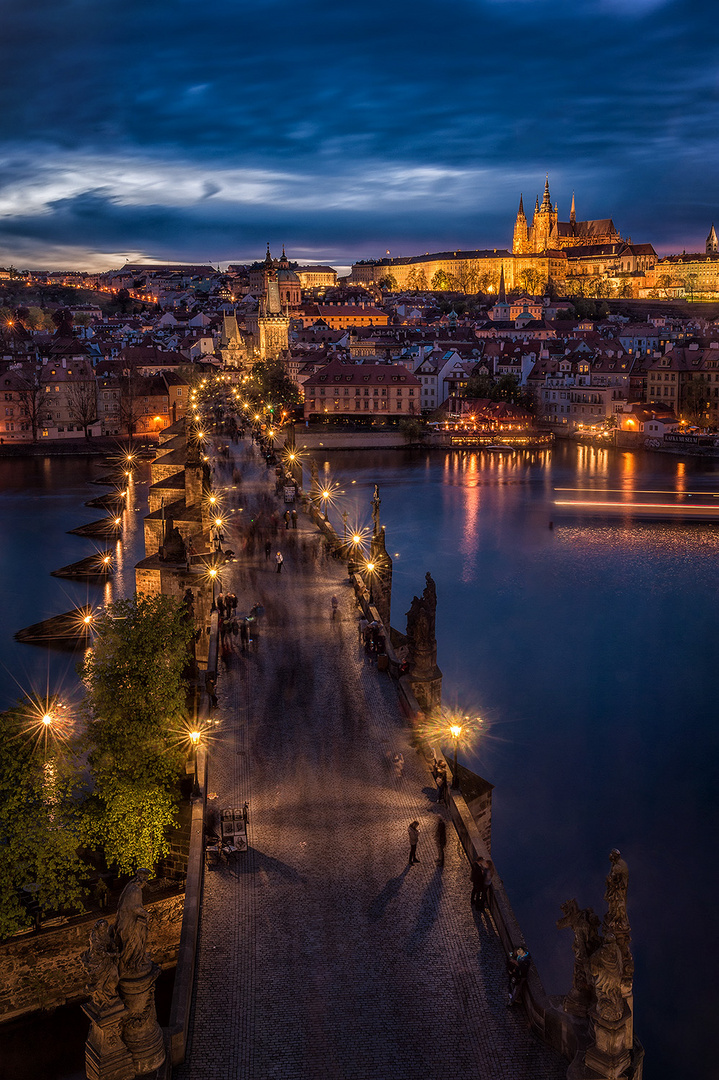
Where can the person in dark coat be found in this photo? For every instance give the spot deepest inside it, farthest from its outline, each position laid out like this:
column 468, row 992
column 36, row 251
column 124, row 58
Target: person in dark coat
column 413, row 831
column 287, row 519
column 440, row 839
column 478, row 896
column 268, row 550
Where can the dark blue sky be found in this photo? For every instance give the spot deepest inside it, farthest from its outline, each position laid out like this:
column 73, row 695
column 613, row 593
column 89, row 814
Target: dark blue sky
column 181, row 130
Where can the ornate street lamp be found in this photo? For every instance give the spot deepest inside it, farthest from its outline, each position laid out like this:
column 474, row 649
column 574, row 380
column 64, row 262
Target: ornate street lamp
column 456, row 732
column 195, row 740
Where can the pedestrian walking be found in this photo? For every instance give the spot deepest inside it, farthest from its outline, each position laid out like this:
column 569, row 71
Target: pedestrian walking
column 477, row 877
column 220, row 604
column 279, row 560
column 268, row 550
column 440, row 839
column 362, row 628
column 413, row 831
column 288, row 518
column 442, row 786
column 294, row 519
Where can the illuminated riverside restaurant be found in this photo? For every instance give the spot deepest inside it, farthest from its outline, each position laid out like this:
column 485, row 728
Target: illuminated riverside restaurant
column 493, row 424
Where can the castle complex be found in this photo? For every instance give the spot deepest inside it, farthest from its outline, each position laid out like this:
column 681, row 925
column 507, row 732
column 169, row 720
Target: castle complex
column 546, row 254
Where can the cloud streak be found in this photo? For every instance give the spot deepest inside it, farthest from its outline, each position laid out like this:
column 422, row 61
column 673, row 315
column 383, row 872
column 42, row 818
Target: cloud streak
column 350, row 126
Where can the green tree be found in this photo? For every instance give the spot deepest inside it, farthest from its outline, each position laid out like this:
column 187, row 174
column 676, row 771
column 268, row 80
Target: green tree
column 81, row 399
column 134, row 820
column 134, row 676
column 440, row 282
column 40, row 824
column 690, row 284
column 479, row 386
column 388, row 282
column 695, row 404
column 530, row 281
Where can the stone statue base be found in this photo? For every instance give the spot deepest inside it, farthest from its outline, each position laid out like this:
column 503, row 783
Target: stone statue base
column 610, row 1056
column 428, row 690
column 141, row 1032
column 106, row 1056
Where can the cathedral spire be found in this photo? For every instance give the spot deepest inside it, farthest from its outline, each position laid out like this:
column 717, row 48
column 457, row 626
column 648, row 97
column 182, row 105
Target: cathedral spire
column 546, row 201
column 502, row 291
column 520, row 212
column 572, row 212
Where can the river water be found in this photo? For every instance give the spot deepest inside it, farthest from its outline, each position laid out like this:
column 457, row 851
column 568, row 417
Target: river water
column 589, row 651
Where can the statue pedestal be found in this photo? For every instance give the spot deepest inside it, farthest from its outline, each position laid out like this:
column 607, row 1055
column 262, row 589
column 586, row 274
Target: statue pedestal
column 427, row 688
column 141, row 1032
column 610, row 1056
column 106, row 1056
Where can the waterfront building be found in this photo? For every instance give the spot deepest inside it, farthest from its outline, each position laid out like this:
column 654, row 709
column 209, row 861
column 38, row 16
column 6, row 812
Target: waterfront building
column 686, row 381
column 362, row 390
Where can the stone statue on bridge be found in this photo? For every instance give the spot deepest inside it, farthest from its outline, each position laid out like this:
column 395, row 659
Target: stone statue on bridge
column 425, row 676
column 100, row 962
column 585, row 926
column 606, row 968
column 131, row 927
column 616, row 920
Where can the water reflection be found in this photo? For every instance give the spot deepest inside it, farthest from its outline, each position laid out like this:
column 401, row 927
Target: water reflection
column 40, row 500
column 591, row 652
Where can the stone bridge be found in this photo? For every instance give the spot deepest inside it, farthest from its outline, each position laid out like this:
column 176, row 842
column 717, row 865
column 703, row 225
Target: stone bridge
column 321, row 953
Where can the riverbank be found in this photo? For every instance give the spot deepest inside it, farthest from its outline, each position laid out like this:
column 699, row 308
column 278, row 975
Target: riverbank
column 102, row 447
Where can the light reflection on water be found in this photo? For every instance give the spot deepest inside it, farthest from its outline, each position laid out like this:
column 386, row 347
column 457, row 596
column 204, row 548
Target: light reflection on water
column 40, row 499
column 591, row 652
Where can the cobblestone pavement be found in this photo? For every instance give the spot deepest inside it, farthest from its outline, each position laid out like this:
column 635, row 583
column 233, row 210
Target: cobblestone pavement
column 322, row 954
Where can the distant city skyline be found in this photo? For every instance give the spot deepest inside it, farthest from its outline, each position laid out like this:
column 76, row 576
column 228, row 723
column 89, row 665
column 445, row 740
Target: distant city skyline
column 157, row 135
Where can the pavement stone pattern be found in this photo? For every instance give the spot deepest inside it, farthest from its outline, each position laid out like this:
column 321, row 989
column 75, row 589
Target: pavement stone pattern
column 322, row 954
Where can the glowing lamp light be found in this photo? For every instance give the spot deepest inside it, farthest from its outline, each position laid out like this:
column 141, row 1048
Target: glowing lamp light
column 118, row 521
column 106, row 559
column 370, row 567
column 47, row 719
column 356, row 539
column 213, row 572
column 194, row 737
column 455, row 731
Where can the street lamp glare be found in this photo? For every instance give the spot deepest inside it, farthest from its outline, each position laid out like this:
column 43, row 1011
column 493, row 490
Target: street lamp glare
column 456, row 730
column 47, row 719
column 195, row 737
column 370, row 567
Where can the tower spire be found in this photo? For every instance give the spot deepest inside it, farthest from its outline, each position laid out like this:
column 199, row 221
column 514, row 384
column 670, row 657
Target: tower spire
column 502, row 291
column 520, row 212
column 546, row 201
column 572, row 212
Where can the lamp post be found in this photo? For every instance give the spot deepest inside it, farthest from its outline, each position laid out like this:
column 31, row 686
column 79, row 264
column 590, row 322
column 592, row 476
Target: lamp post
column 195, row 740
column 213, row 576
column 370, row 572
column 455, row 731
column 324, row 496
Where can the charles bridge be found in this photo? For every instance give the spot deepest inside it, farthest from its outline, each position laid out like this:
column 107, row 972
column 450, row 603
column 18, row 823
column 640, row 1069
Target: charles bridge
column 312, row 948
